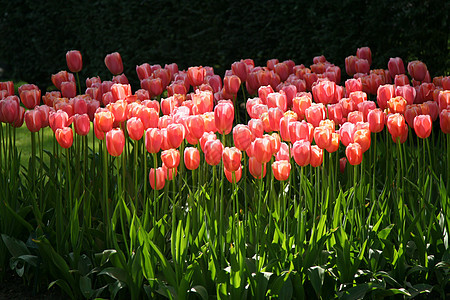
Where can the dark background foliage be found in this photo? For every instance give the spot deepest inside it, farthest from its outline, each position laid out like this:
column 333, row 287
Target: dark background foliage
column 35, row 35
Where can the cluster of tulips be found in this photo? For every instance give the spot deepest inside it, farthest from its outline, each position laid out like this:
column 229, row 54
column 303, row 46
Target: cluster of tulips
column 298, row 111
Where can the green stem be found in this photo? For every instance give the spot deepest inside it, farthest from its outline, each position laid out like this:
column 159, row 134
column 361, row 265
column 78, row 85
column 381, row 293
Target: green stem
column 78, row 83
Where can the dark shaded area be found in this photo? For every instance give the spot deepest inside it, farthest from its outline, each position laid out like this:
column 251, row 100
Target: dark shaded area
column 35, row 35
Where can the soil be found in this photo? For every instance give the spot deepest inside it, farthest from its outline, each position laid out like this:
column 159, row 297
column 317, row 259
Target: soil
column 13, row 287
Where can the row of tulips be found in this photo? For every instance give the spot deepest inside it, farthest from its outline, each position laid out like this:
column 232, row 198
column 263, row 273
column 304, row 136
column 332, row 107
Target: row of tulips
column 283, row 121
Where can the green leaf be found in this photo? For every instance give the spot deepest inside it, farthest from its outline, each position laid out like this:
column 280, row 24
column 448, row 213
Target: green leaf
column 316, row 275
column 201, row 291
column 115, row 273
column 15, row 247
column 64, row 286
column 356, row 292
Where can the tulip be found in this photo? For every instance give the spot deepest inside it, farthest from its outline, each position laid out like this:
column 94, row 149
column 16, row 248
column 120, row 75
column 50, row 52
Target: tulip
column 30, row 97
column 355, row 117
column 353, row 85
column 74, row 61
column 68, row 89
column 358, row 97
column 444, row 121
column 231, row 158
column 153, row 140
column 223, row 117
column 231, row 84
column 316, row 156
column 407, row 92
column 362, row 66
column 196, row 75
column 323, row 91
column 104, row 120
column 444, row 100
column 61, row 77
column 263, row 92
column 301, row 131
column 362, row 137
column 396, row 66
column 10, row 108
column 240, row 69
column 315, row 113
column 233, row 178
column 397, row 105
column 171, row 158
column 384, row 93
column 256, row 168
column 115, row 141
column 59, row 119
column 82, row 124
column 175, row 134
column 430, row 108
column 290, row 90
column 277, row 100
column 191, row 158
column 114, row 63
column 422, row 126
column 301, row 151
column 376, row 118
column 322, row 136
column 64, row 136
column 149, row 117
column 342, row 163
column 256, row 127
column 283, row 153
column 350, row 65
column 242, row 137
column 346, row 132
column 213, row 152
column 160, row 179
column 310, row 79
column 45, row 112
column 275, row 114
column 33, row 120
column 354, row 153
column 334, row 145
column 281, row 170
column 135, row 128
column 417, row 70
column 364, row 52
column 397, row 126
column 262, row 150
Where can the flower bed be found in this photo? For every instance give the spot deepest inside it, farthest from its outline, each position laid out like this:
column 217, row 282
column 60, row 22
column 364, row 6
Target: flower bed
column 272, row 181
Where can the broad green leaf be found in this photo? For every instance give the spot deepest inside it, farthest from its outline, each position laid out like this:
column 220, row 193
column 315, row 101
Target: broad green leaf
column 316, row 275
column 16, row 247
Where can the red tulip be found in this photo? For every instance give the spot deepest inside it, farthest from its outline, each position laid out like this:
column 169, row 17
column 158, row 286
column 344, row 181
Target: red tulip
column 115, row 141
column 203, row 101
column 334, row 145
column 316, row 156
column 10, row 108
column 59, row 119
column 256, row 168
column 191, row 158
column 371, row 83
column 240, row 69
column 213, row 152
column 119, row 110
column 322, row 136
column 350, row 66
column 64, row 136
column 262, row 150
column 444, row 121
column 61, row 77
column 74, row 61
column 444, row 100
column 158, row 178
column 281, row 170
column 354, row 153
column 233, row 178
column 231, row 84
column 7, row 86
column 171, row 158
column 423, row 125
column 153, row 140
column 358, row 97
column 283, row 153
column 79, row 105
column 384, row 93
column 315, row 113
column 355, row 117
column 231, row 158
column 396, row 66
column 196, row 75
column 362, row 66
column 277, row 100
column 68, row 89
column 223, row 117
column 30, row 95
column 342, row 163
column 346, row 132
column 301, row 151
column 397, row 105
column 376, row 119
column 82, row 124
column 430, row 108
column 282, row 70
column 149, row 117
column 417, row 70
column 275, row 114
column 33, row 120
column 114, row 63
column 135, row 128
column 242, row 137
column 323, row 91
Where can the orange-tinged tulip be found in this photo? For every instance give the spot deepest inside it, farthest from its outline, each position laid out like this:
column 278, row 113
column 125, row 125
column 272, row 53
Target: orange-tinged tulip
column 315, row 113
column 322, row 136
column 256, row 168
column 191, row 158
column 119, row 110
column 323, row 91
column 74, row 61
column 423, row 125
column 256, row 127
column 277, row 100
column 114, row 63
column 64, row 136
column 407, row 92
column 233, row 178
column 104, row 119
column 263, row 92
column 61, row 77
column 316, row 156
column 275, row 114
column 362, row 137
column 397, row 126
column 231, row 158
column 148, row 116
column 354, row 153
column 346, row 132
column 231, row 84
column 171, row 158
column 158, row 177
column 262, row 150
column 283, row 153
column 358, row 97
column 397, row 105
column 355, row 117
column 175, row 134
column 444, row 100
column 334, row 145
column 281, row 170
column 82, row 124
column 384, row 93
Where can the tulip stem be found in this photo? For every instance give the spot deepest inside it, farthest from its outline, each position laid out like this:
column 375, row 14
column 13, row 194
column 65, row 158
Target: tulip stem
column 155, row 198
column 33, row 164
column 105, row 193
column 144, row 151
column 78, row 83
column 135, row 179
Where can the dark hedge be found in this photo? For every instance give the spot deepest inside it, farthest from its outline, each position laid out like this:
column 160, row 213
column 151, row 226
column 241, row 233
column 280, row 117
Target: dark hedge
column 35, row 35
